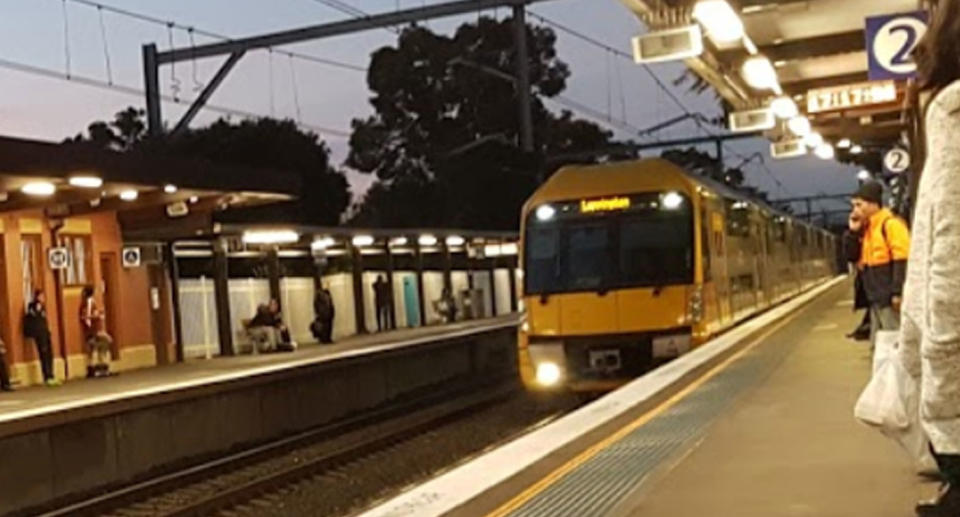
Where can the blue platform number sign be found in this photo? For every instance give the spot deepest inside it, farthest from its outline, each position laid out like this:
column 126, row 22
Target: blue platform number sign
column 891, row 40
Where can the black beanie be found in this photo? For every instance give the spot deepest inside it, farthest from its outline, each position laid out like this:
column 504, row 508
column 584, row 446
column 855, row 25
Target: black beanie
column 871, row 191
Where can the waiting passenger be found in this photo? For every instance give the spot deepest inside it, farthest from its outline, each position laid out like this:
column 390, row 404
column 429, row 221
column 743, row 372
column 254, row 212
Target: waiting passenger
column 930, row 338
column 268, row 323
column 35, row 326
column 853, row 245
column 4, row 373
column 883, row 257
column 324, row 311
column 381, row 296
column 447, row 306
column 97, row 340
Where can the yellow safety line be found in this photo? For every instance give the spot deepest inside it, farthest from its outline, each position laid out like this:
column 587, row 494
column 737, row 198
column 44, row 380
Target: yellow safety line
column 544, row 483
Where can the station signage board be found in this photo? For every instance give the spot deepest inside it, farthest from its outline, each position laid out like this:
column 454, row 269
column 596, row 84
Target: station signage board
column 852, row 96
column 58, row 258
column 891, row 40
column 897, row 160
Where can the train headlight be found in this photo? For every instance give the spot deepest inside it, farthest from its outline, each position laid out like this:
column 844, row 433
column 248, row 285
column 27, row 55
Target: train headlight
column 671, row 201
column 548, row 374
column 546, row 213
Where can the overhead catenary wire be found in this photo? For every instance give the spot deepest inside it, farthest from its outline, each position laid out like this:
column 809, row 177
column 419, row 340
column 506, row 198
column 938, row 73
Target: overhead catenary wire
column 296, row 92
column 106, row 46
column 659, row 82
column 356, row 12
column 66, row 38
column 209, row 34
column 130, row 90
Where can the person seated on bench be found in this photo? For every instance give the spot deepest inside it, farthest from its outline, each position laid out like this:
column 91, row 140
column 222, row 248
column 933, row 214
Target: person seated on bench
column 268, row 331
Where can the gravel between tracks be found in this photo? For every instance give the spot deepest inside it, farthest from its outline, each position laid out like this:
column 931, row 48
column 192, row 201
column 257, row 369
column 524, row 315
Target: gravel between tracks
column 356, row 485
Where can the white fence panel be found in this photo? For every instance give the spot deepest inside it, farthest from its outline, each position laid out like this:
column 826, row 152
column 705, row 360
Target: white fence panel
column 297, row 295
column 198, row 318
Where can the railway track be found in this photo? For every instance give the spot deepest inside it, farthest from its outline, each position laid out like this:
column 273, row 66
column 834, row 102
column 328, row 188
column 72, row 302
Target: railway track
column 263, row 474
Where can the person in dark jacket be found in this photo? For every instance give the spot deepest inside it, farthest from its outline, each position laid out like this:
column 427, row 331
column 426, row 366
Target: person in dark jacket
column 885, row 247
column 381, row 296
column 36, row 327
column 268, row 316
column 325, row 312
column 852, row 246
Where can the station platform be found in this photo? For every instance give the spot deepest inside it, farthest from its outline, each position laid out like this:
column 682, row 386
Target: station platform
column 40, row 401
column 765, row 430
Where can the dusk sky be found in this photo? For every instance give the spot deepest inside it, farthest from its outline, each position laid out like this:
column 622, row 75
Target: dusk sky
column 32, row 33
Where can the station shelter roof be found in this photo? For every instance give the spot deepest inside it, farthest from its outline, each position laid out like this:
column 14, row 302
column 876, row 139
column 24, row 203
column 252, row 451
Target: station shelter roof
column 151, row 191
column 818, row 51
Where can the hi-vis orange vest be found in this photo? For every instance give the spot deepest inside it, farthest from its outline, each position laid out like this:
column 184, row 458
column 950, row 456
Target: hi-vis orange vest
column 883, row 257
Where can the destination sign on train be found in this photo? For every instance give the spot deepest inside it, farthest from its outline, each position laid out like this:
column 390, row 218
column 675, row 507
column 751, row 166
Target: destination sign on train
column 851, row 96
column 604, row 205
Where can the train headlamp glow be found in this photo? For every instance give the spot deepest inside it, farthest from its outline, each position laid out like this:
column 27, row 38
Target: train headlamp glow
column 548, row 374
column 671, row 201
column 546, row 213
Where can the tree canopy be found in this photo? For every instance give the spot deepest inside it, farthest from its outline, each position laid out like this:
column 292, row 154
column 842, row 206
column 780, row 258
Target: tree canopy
column 264, row 143
column 442, row 142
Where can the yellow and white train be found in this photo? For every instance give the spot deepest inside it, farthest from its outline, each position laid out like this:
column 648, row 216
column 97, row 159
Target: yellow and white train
column 629, row 264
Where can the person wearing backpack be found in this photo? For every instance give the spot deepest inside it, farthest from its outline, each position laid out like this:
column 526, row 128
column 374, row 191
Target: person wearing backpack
column 885, row 247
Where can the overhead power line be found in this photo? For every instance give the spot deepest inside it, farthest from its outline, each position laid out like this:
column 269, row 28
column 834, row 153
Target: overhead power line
column 130, row 90
column 195, row 30
column 659, row 82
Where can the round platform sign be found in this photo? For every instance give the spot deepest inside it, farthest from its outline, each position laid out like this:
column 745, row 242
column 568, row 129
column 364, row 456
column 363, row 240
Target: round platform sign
column 58, row 258
column 891, row 40
column 897, row 160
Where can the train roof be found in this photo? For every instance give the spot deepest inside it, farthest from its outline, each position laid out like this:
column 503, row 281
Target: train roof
column 581, row 181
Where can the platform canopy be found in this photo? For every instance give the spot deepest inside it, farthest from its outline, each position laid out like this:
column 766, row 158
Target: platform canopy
column 818, row 52
column 68, row 179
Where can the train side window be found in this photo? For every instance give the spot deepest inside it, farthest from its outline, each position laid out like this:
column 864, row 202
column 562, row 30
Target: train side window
column 738, row 218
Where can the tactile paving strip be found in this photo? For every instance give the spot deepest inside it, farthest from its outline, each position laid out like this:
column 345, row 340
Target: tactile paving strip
column 601, row 483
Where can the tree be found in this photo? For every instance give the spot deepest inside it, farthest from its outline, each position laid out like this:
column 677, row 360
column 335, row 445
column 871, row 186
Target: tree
column 445, row 127
column 264, row 143
column 125, row 131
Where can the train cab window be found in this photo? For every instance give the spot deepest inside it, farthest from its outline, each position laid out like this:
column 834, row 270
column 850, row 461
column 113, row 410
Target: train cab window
column 588, row 255
column 656, row 251
column 542, row 271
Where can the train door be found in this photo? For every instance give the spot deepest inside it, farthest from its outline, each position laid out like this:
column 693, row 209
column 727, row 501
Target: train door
column 721, row 272
column 762, row 260
column 711, row 313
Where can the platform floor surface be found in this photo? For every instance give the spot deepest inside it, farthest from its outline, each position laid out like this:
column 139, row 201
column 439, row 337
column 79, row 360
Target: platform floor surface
column 197, row 371
column 790, row 445
column 783, row 442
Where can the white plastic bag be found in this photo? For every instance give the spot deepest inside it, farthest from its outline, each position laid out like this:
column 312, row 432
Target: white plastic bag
column 882, row 404
column 891, row 402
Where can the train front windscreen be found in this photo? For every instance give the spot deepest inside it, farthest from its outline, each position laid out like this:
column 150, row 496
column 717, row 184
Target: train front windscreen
column 608, row 244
